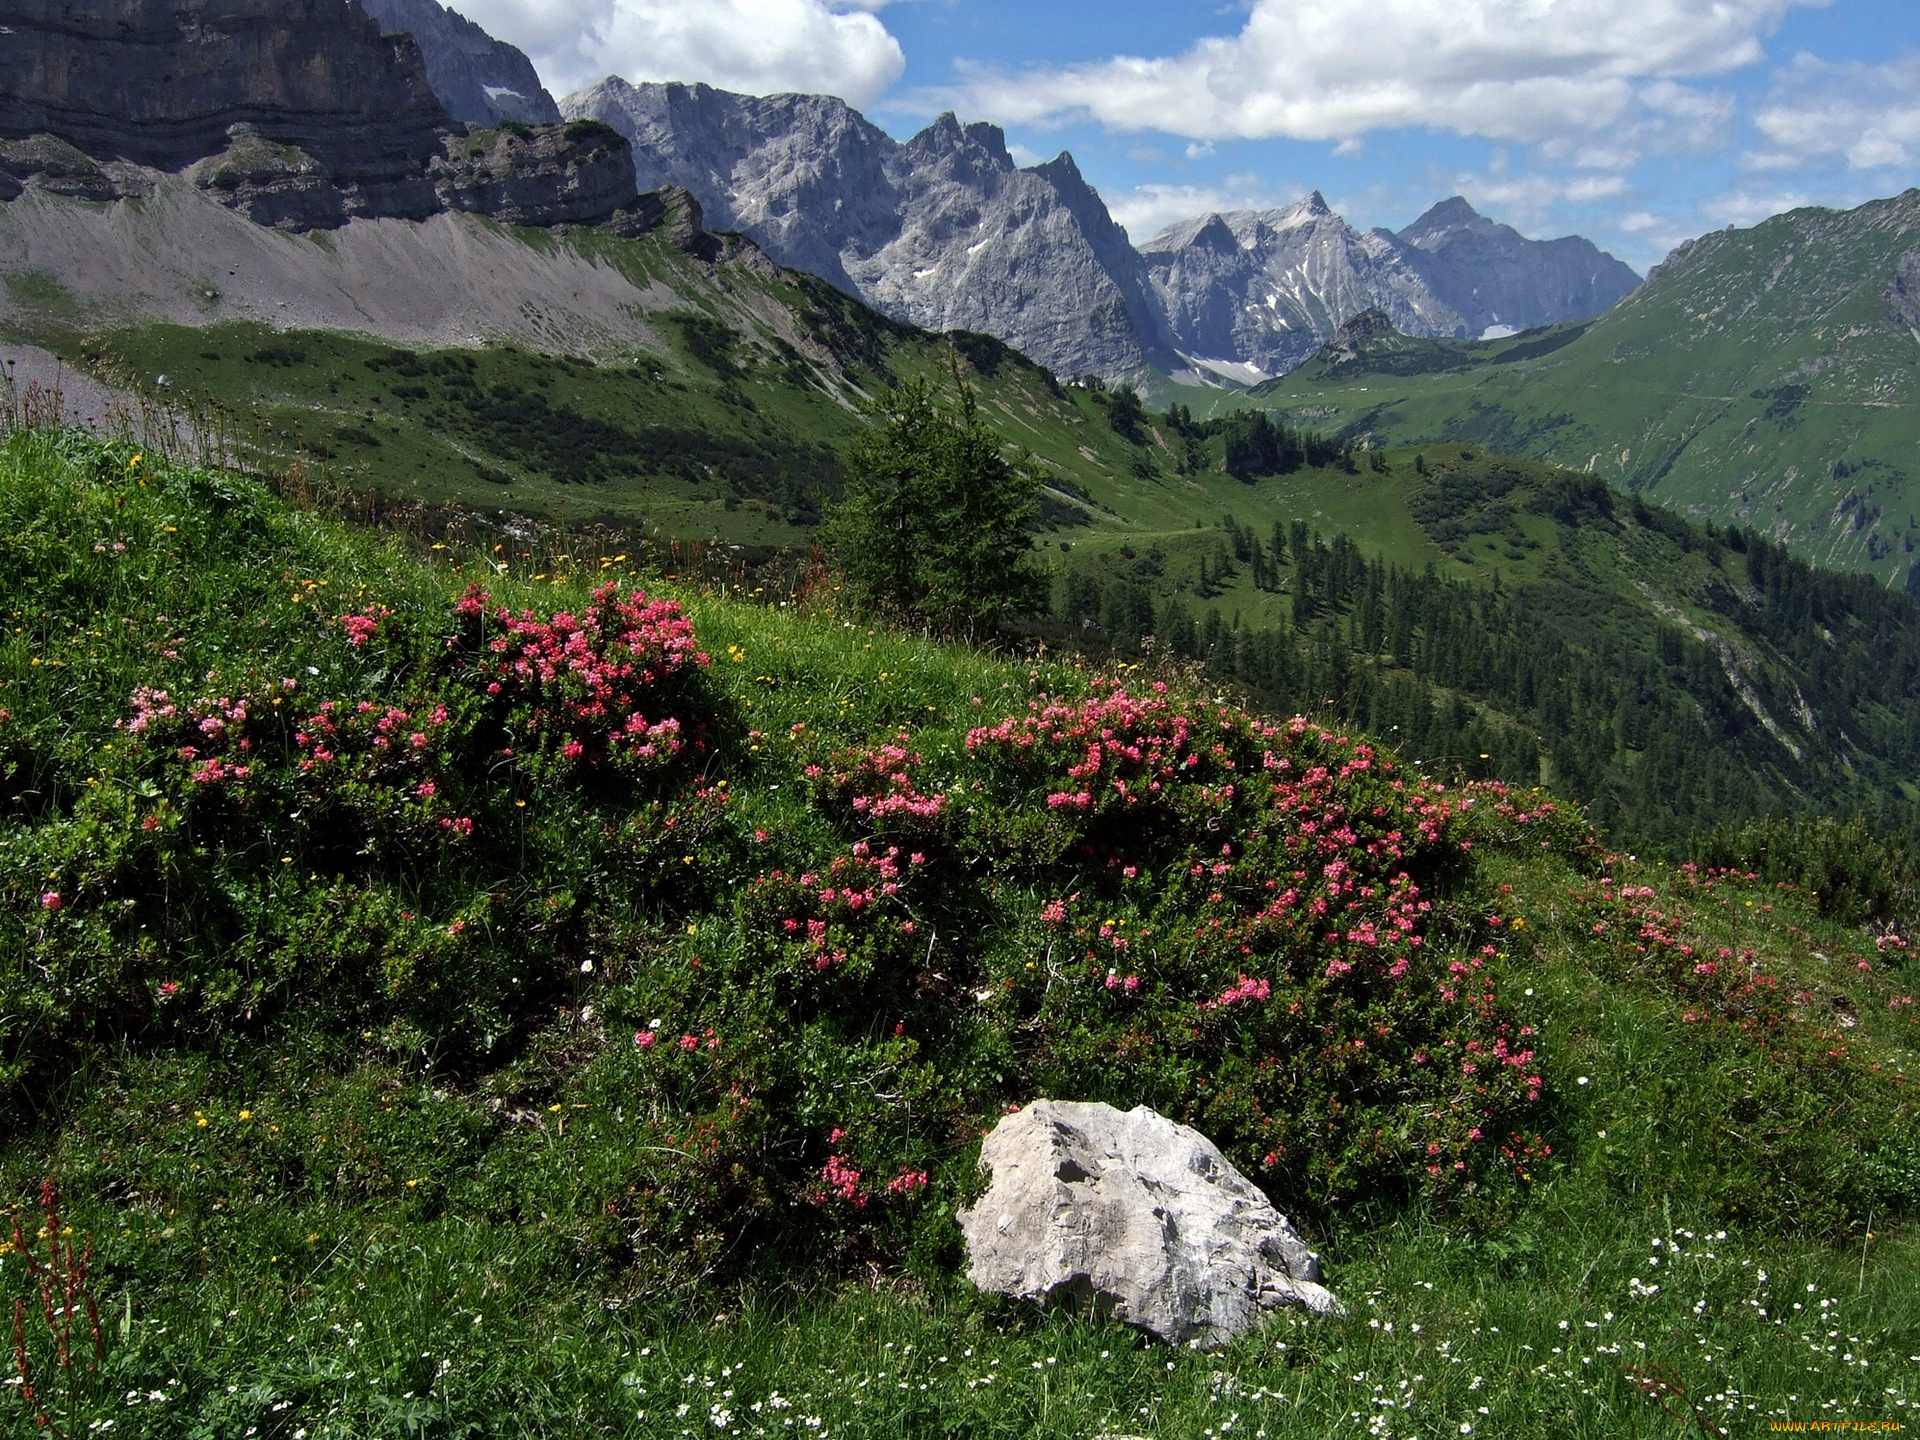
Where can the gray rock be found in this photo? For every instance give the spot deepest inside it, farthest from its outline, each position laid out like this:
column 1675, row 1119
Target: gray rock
column 480, row 80
column 1138, row 1218
column 579, row 173
column 1493, row 276
column 944, row 231
column 49, row 163
column 1903, row 297
column 1267, row 288
column 298, row 114
column 271, row 183
column 162, row 85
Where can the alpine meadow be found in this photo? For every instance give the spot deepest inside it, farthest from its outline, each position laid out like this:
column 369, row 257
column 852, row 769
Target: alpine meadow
column 601, row 694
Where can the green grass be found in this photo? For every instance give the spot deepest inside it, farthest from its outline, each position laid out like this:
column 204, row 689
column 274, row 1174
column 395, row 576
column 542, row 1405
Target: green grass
column 391, row 1222
column 1763, row 379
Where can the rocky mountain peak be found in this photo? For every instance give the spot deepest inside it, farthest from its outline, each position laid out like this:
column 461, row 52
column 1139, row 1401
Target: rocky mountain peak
column 478, row 79
column 970, row 152
column 1449, row 216
column 942, row 230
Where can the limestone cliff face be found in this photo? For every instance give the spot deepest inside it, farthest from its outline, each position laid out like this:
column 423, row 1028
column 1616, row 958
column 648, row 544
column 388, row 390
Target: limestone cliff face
column 1268, row 288
column 480, row 80
column 299, row 114
column 161, row 83
column 580, row 173
column 944, row 230
column 1497, row 279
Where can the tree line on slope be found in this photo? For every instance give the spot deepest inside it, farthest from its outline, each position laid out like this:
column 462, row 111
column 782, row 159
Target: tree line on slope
column 1810, row 706
column 1641, row 721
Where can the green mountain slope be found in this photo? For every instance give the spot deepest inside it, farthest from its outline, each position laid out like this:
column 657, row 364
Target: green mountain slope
column 1493, row 617
column 1762, row 376
column 409, row 1054
column 1508, row 618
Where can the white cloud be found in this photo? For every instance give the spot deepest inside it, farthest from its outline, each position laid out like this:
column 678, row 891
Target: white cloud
column 1595, row 187
column 833, row 47
column 1742, row 207
column 1523, row 70
column 1822, row 110
column 1146, row 210
column 1530, row 201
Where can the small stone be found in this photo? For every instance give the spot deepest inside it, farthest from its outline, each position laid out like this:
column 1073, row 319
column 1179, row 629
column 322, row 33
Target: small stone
column 1136, row 1217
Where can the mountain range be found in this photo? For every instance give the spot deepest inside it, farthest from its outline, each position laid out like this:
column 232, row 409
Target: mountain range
column 1765, row 376
column 1256, row 292
column 1762, row 376
column 305, row 118
column 944, row 230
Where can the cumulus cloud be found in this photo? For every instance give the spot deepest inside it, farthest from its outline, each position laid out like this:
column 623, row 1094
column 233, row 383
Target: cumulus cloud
column 1743, row 207
column 1146, row 210
column 1819, row 111
column 835, row 47
column 1521, row 70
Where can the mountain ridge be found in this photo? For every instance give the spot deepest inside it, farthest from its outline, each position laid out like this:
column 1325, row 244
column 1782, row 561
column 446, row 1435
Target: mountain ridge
column 941, row 230
column 478, row 79
column 823, row 189
column 1765, row 376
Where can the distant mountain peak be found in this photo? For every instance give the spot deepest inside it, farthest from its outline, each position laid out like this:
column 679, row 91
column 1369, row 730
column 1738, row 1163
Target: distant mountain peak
column 943, row 230
column 1453, row 213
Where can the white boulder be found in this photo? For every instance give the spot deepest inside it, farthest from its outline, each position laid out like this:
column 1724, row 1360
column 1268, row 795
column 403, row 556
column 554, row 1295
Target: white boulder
column 1135, row 1217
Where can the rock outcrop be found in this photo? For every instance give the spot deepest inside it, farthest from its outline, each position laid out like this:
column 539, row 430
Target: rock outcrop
column 1135, row 1217
column 580, row 173
column 1497, row 280
column 944, row 231
column 478, row 80
column 299, row 114
column 51, row 164
column 164, row 84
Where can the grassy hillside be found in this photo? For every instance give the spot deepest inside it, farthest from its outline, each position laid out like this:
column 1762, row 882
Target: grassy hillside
column 1670, row 676
column 431, row 1040
column 1763, row 377
column 1494, row 618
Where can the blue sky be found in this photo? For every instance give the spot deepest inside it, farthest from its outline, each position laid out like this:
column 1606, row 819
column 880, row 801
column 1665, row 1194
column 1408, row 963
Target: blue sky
column 1638, row 123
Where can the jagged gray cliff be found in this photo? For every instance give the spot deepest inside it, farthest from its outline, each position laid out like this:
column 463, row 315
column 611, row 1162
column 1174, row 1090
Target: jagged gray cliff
column 478, row 79
column 163, row 86
column 299, row 114
column 944, row 231
column 1268, row 288
column 1265, row 289
column 1495, row 278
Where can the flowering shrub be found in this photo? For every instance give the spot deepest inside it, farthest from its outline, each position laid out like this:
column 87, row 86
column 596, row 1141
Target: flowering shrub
column 587, row 689
column 216, row 740
column 878, row 784
column 1253, row 945
column 385, row 768
column 851, row 917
